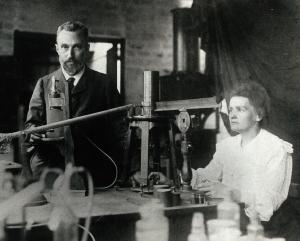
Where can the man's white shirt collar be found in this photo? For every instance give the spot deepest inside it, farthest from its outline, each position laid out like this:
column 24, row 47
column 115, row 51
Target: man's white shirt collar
column 76, row 76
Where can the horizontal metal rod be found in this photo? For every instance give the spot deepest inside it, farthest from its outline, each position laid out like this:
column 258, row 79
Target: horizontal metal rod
column 188, row 104
column 57, row 124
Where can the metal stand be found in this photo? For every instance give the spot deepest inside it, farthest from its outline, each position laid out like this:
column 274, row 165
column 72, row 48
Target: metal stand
column 147, row 125
column 183, row 122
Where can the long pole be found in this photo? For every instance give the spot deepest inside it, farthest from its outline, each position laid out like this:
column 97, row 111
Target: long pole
column 57, row 124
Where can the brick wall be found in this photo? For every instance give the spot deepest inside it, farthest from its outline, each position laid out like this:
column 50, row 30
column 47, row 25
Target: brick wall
column 145, row 24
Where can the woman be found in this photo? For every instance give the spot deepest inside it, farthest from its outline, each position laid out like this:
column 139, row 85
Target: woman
column 255, row 165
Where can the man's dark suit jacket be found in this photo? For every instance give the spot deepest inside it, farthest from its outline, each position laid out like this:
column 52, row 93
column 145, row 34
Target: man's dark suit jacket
column 94, row 92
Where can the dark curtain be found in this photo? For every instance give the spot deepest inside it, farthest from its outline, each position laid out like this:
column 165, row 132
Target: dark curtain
column 251, row 40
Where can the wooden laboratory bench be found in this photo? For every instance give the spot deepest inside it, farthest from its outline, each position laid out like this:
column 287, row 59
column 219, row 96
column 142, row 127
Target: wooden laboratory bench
column 122, row 202
column 114, row 214
column 112, row 202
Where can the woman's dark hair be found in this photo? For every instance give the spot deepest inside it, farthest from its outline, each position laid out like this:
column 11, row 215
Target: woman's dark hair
column 257, row 95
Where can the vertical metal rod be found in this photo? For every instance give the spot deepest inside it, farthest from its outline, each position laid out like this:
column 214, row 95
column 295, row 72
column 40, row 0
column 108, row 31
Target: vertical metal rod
column 145, row 128
column 151, row 92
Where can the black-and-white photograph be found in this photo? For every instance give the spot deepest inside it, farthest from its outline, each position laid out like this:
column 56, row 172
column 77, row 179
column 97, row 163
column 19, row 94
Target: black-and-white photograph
column 149, row 120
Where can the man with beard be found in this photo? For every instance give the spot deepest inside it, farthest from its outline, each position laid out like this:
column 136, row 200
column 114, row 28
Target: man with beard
column 84, row 91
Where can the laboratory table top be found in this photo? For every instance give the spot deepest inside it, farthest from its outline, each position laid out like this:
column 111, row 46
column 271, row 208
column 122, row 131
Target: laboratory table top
column 112, row 202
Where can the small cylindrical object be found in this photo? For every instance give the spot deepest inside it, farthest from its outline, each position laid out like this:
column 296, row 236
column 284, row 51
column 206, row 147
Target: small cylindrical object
column 2, row 232
column 63, row 223
column 159, row 186
column 229, row 209
column 199, row 198
column 153, row 225
column 198, row 229
column 165, row 196
column 222, row 229
column 55, row 111
column 151, row 91
column 176, row 200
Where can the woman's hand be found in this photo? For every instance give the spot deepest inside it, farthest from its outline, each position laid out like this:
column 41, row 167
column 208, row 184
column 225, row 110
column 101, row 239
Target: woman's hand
column 213, row 189
column 218, row 190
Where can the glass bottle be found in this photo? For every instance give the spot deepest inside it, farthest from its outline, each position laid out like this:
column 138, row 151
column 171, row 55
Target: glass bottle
column 2, row 232
column 227, row 225
column 153, row 225
column 197, row 230
column 63, row 222
column 255, row 231
column 228, row 209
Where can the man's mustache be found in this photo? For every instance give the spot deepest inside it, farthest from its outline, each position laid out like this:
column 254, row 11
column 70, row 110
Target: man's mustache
column 71, row 61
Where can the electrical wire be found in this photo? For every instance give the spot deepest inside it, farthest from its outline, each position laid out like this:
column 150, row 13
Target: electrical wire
column 109, row 158
column 87, row 231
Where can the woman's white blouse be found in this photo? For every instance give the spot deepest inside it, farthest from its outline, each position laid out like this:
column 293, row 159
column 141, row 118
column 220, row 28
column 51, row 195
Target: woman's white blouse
column 261, row 171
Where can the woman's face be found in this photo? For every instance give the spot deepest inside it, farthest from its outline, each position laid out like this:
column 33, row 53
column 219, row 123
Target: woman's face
column 242, row 115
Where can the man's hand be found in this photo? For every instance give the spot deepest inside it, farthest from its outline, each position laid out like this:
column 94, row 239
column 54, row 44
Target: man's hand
column 159, row 178
column 136, row 179
column 37, row 137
